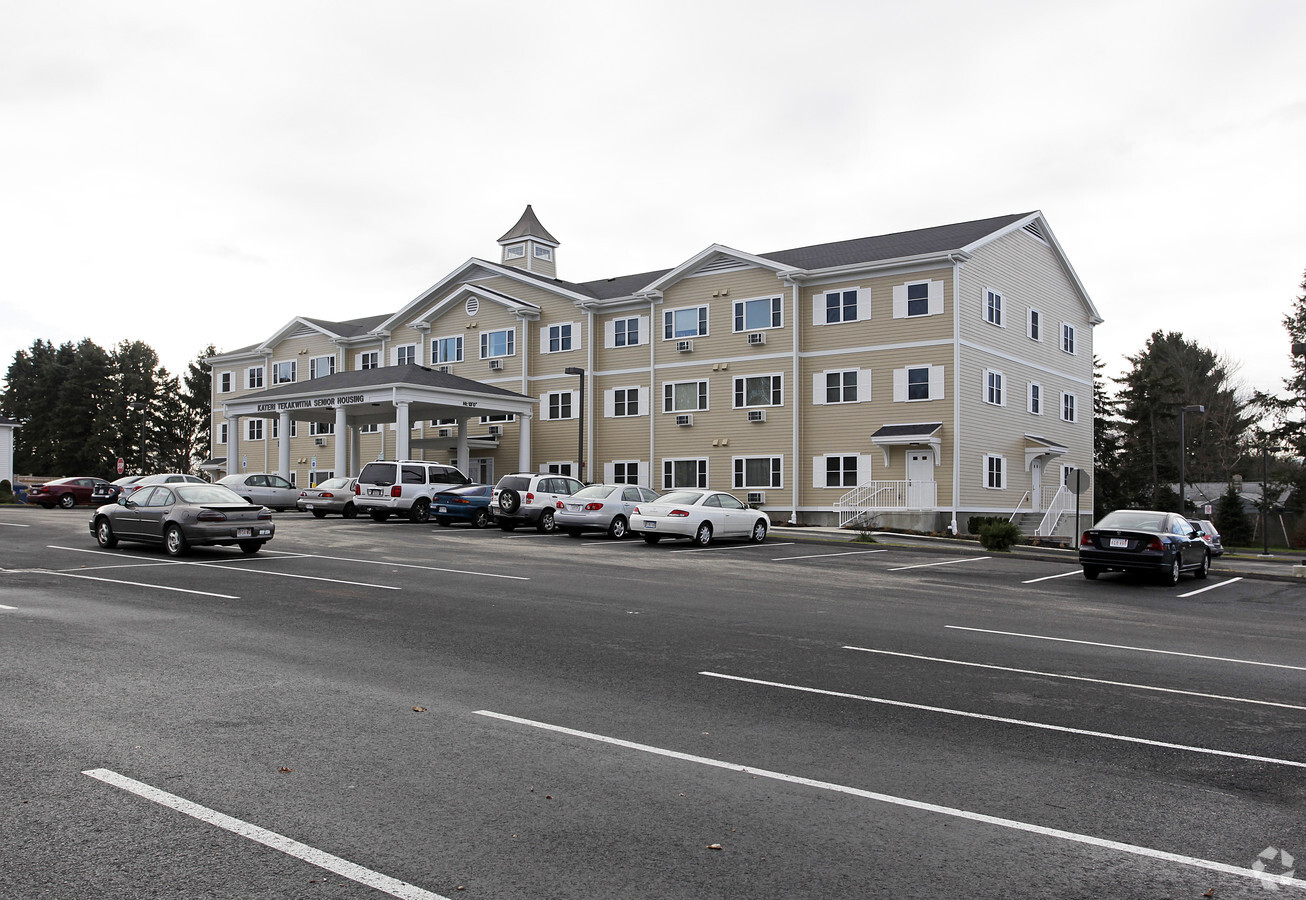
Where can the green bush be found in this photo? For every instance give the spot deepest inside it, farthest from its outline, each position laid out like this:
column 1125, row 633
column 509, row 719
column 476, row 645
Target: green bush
column 6, row 491
column 1000, row 535
column 975, row 523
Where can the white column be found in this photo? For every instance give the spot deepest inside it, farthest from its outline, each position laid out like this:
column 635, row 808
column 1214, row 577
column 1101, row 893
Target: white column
column 402, row 429
column 355, row 452
column 524, row 443
column 233, row 445
column 283, row 445
column 341, row 439
column 464, row 456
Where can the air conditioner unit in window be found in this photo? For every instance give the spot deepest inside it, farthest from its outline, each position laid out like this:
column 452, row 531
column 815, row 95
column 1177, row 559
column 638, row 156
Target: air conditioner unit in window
column 684, row 420
column 448, row 370
column 757, row 338
column 496, row 430
column 496, row 365
column 757, row 415
column 685, row 346
column 319, row 442
column 757, row 496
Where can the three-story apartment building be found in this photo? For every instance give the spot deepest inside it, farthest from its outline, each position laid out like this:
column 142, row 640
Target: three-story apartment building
column 913, row 379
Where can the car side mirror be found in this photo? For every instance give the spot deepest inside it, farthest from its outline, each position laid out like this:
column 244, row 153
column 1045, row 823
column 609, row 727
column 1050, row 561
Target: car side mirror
column 129, row 503
column 1194, row 534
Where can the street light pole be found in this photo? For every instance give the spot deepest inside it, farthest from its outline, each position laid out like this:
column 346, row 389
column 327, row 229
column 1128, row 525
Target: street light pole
column 580, row 440
column 1265, row 496
column 1183, row 456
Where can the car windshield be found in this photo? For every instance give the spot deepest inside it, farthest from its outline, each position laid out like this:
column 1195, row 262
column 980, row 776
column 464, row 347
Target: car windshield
column 680, row 498
column 333, row 483
column 206, row 493
column 1137, row 519
column 594, row 490
column 378, row 473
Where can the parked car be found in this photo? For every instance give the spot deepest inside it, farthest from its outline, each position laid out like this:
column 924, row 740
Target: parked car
column 1142, row 540
column 181, row 515
column 1210, row 535
column 700, row 516
column 264, row 488
column 470, row 503
column 109, row 491
column 403, row 487
column 335, row 495
column 161, row 478
column 601, row 507
column 530, row 498
column 63, row 492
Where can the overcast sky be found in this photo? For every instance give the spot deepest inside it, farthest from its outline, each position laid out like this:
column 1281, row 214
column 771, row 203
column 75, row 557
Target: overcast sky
column 191, row 172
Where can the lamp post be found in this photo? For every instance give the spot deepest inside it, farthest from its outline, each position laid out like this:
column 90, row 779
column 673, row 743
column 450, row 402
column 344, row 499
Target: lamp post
column 580, row 440
column 1183, row 456
column 1265, row 494
column 142, row 406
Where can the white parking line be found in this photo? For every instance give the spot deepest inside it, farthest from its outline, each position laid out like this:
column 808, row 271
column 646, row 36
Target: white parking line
column 825, row 555
column 383, row 562
column 224, row 564
column 157, row 587
column 15, row 525
column 949, row 562
column 1013, row 824
column 342, row 867
column 735, row 547
column 383, row 587
column 8, row 607
column 1050, row 577
column 1041, row 637
column 1211, row 587
column 1126, row 684
column 1003, row 719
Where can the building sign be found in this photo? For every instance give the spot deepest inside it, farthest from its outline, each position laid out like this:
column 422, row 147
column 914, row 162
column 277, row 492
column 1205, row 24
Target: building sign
column 318, row 403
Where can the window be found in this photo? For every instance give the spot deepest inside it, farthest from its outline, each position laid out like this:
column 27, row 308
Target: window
column 254, row 429
column 684, row 473
column 753, row 315
column 758, row 471
column 498, row 343
column 848, row 386
column 368, row 360
column 841, row 471
column 254, row 377
column 276, row 427
column 844, row 305
column 406, row 355
column 446, row 350
column 283, row 372
column 759, row 390
column 1067, row 338
column 224, row 383
column 684, row 396
column 222, row 433
column 621, row 402
column 557, row 338
column 485, row 420
column 995, row 476
column 993, row 387
column 684, row 323
column 1034, row 322
column 516, row 251
column 993, row 307
column 1036, row 398
column 557, row 405
column 548, row 485
column 625, row 332
column 319, row 366
column 320, row 428
column 917, row 298
column 625, row 472
column 543, row 252
column 918, row 383
column 1068, row 408
column 373, row 428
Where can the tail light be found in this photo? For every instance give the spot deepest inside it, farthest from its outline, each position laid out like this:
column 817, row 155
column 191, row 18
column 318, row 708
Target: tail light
column 357, row 489
column 325, row 495
column 593, row 506
column 559, row 505
column 456, row 500
column 266, row 514
column 396, row 490
column 678, row 513
column 1156, row 545
column 211, row 515
column 636, row 512
column 305, row 494
column 1085, row 540
column 530, row 497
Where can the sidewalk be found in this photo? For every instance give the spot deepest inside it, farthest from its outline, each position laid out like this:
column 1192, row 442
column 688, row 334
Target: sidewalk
column 1287, row 566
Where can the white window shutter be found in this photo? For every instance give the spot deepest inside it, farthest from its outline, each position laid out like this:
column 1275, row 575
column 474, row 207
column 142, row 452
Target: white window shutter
column 818, row 388
column 609, row 404
column 644, row 326
column 576, row 335
column 818, row 308
column 818, row 471
column 609, row 472
column 936, row 382
column 935, row 302
column 644, row 472
column 900, row 301
column 863, row 385
column 864, row 463
column 863, row 304
column 610, row 337
column 544, row 339
column 900, row 385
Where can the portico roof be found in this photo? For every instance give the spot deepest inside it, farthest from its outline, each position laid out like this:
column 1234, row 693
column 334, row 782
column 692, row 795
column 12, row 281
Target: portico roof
column 905, row 435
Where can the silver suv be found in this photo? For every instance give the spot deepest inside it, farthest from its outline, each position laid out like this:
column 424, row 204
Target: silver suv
column 529, row 498
column 403, row 487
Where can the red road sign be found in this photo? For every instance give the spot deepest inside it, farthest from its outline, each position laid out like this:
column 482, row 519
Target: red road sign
column 121, row 466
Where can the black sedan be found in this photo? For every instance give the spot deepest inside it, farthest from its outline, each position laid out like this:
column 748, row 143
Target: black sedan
column 110, row 491
column 180, row 516
column 1143, row 540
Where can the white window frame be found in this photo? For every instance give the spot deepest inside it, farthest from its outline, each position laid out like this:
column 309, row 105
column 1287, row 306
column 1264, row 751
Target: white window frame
column 364, row 357
column 902, row 301
column 641, row 331
column 704, row 394
column 497, row 418
column 702, row 315
column 253, row 429
column 739, row 385
column 610, row 410
column 1034, row 324
column 861, row 305
column 992, row 391
column 934, row 384
column 321, row 429
column 1068, row 338
column 222, row 435
column 568, row 332
column 226, row 383
column 510, row 342
column 547, row 404
column 514, row 251
column 628, row 466
column 775, row 473
column 701, row 474
column 372, row 428
column 544, row 253
column 314, row 368
column 991, row 303
column 821, row 469
column 1034, row 399
column 437, row 346
column 559, row 467
column 250, row 377
column 990, row 470
column 396, row 350
column 1072, row 406
column 276, row 373
column 740, row 314
column 821, row 387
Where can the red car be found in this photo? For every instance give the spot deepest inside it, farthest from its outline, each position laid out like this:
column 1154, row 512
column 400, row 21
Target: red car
column 65, row 492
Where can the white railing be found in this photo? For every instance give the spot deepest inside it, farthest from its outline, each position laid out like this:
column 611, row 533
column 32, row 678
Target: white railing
column 1015, row 512
column 1057, row 507
column 1048, row 494
column 882, row 496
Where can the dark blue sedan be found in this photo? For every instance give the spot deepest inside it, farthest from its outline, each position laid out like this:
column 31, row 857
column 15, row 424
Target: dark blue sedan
column 1143, row 540
column 470, row 503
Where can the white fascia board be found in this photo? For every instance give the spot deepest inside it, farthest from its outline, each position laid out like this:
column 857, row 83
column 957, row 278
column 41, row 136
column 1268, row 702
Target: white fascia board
column 688, row 266
column 906, row 263
column 293, row 325
column 244, row 353
column 460, row 293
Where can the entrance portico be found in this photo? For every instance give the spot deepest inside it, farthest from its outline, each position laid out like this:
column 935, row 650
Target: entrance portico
column 398, row 395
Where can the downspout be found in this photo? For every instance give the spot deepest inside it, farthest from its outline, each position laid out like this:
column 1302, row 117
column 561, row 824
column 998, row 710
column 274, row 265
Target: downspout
column 653, row 398
column 795, row 393
column 589, row 401
column 956, row 393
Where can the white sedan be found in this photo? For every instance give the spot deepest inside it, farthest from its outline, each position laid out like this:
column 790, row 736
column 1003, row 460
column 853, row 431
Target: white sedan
column 699, row 516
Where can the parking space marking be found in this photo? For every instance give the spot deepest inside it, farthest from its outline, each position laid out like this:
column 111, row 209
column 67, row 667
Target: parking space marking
column 826, row 555
column 223, row 564
column 342, row 867
column 1050, row 577
column 1105, row 735
column 8, row 607
column 382, row 562
column 383, row 587
column 735, row 547
column 953, row 812
column 1126, row 684
column 157, row 587
column 1211, row 587
column 1042, row 637
column 15, row 525
column 948, row 562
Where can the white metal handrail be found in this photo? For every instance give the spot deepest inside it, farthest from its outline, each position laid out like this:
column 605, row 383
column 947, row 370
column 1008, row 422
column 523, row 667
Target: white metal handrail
column 1060, row 503
column 885, row 495
column 1015, row 512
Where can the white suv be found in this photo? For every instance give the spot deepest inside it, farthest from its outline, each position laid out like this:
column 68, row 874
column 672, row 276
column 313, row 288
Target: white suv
column 529, row 498
column 403, row 486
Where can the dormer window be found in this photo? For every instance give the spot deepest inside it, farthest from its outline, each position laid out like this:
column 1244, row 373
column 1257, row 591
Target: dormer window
column 545, row 253
column 516, row 251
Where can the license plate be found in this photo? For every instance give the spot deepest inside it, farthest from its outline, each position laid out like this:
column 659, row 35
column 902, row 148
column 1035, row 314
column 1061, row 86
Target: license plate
column 244, row 532
column 374, row 492
column 308, row 506
column 574, row 507
column 648, row 524
column 441, row 509
column 1119, row 542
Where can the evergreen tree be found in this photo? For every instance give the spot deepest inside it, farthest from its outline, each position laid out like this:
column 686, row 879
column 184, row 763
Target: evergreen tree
column 1288, row 410
column 197, row 396
column 1231, row 518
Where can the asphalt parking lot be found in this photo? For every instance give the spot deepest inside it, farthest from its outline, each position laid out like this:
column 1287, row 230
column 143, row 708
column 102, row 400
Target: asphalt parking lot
column 408, row 710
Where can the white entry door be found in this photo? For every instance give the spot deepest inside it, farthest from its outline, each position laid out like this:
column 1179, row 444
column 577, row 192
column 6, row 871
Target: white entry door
column 1036, row 478
column 921, row 490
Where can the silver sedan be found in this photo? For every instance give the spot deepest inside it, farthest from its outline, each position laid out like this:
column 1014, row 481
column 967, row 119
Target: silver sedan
column 335, row 495
column 181, row 516
column 601, row 507
column 699, row 516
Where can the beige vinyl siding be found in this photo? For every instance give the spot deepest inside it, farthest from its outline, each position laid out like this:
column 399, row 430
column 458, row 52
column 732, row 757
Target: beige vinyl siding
column 628, row 357
column 722, row 341
column 882, row 327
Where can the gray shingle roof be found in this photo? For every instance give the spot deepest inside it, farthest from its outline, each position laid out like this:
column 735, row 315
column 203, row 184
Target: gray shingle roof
column 386, row 375
column 528, row 226
column 938, row 239
column 924, row 429
column 350, row 327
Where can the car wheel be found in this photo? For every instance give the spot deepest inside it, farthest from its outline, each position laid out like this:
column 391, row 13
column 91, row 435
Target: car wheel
column 174, row 541
column 420, row 511
column 319, row 513
column 546, row 524
column 250, row 547
column 703, row 536
column 482, row 518
column 509, row 500
column 572, row 532
column 350, row 511
column 1171, row 576
column 1205, row 568
column 619, row 527
column 379, row 515
column 104, row 533
column 652, row 538
column 1091, row 572
column 442, row 521
column 67, row 501
column 758, row 533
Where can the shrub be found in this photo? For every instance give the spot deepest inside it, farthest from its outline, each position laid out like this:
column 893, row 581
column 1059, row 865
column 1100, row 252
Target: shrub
column 1000, row 535
column 6, row 491
column 975, row 523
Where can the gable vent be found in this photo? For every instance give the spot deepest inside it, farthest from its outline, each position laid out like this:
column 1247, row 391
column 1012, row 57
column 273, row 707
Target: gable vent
column 721, row 263
column 1034, row 229
column 472, row 306
column 302, row 332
